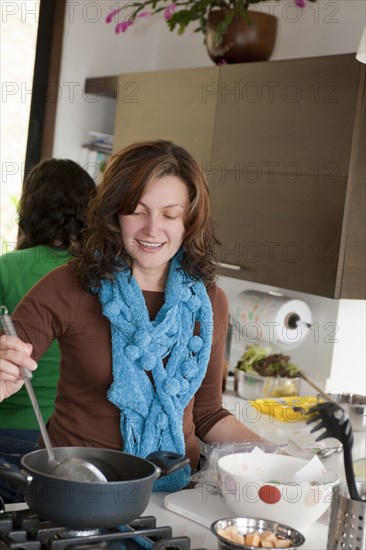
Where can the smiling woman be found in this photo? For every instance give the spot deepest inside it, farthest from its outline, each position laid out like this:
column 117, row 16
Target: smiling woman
column 145, row 278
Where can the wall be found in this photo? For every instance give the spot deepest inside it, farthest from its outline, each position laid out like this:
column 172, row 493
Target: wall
column 91, row 48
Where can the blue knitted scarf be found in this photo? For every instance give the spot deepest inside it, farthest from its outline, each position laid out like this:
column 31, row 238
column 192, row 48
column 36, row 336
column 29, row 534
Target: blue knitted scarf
column 152, row 413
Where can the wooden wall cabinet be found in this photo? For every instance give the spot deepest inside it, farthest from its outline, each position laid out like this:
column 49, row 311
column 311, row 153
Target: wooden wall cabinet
column 173, row 105
column 283, row 147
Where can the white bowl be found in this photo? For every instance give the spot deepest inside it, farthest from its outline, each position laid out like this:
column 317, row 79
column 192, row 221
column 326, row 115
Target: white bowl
column 267, row 489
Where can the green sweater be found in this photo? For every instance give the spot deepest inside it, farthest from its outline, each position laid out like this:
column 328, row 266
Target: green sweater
column 19, row 271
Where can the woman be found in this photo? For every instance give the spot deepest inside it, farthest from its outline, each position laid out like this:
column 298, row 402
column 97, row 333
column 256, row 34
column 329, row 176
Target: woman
column 51, row 213
column 138, row 317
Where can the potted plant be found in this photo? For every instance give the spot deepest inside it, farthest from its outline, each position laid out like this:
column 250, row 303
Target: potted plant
column 225, row 24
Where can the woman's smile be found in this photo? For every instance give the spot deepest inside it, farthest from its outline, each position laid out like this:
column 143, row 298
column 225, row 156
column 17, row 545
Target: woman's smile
column 150, row 246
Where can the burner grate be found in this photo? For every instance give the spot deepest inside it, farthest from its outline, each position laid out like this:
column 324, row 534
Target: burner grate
column 25, row 531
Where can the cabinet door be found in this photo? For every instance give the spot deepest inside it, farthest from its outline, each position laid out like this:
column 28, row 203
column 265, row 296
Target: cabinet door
column 175, row 105
column 279, row 233
column 281, row 155
column 352, row 265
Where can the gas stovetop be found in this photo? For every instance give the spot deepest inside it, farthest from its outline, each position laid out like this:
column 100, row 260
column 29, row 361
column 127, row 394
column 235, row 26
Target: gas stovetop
column 23, row 530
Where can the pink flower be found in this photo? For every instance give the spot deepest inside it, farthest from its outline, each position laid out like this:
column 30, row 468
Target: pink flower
column 168, row 12
column 110, row 17
column 122, row 27
column 300, row 3
column 145, row 14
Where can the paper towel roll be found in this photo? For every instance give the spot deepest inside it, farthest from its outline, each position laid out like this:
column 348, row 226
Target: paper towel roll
column 262, row 317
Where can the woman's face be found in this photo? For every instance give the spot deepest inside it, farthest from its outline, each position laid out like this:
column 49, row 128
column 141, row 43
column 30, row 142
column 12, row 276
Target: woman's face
column 154, row 232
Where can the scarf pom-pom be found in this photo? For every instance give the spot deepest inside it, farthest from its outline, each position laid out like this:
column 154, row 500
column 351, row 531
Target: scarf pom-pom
column 194, row 304
column 171, row 386
column 132, row 352
column 185, row 295
column 195, row 344
column 189, row 369
column 148, row 362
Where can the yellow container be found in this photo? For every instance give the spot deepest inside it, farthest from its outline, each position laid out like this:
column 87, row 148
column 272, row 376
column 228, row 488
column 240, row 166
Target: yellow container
column 286, row 409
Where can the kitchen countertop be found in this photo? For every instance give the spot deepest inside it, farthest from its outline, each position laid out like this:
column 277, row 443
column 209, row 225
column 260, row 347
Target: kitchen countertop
column 209, row 507
column 201, row 537
column 277, row 432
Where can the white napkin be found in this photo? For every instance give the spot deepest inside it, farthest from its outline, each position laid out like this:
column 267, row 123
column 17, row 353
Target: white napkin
column 314, row 470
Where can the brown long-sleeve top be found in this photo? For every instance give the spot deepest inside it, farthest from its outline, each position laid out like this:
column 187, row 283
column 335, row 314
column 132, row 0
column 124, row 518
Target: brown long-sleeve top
column 58, row 308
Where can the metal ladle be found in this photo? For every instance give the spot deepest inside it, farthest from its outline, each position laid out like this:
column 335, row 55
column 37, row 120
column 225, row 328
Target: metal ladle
column 72, row 468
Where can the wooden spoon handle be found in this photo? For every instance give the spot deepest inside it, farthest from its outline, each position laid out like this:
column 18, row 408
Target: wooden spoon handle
column 319, row 390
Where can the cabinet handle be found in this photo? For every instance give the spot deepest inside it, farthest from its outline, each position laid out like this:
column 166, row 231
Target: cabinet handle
column 230, row 266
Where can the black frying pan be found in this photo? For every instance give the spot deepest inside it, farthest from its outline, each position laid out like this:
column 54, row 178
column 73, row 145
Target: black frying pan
column 121, row 499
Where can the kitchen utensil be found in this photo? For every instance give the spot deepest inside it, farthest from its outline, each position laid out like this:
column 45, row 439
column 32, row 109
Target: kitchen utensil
column 355, row 405
column 337, row 424
column 311, row 383
column 266, row 486
column 71, row 467
column 328, row 451
column 121, row 499
column 250, row 525
column 307, row 443
column 347, row 520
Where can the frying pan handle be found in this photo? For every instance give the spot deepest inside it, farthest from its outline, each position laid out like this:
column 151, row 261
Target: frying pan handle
column 19, row 478
column 167, row 462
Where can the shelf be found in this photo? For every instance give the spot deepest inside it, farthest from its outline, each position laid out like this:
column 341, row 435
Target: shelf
column 105, row 86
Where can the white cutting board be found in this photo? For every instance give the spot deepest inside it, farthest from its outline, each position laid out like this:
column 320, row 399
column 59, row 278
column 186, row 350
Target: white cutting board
column 198, row 505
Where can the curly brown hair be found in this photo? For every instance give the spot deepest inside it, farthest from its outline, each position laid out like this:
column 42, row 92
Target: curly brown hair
column 125, row 179
column 53, row 204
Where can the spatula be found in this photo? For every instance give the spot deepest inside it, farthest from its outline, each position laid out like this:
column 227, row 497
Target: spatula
column 337, row 424
column 72, row 468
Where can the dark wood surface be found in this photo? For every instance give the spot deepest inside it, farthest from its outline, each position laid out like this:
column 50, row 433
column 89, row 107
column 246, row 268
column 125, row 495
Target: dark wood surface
column 103, row 86
column 280, row 234
column 280, row 171
column 53, row 80
column 46, row 71
column 178, row 105
column 351, row 280
column 283, row 147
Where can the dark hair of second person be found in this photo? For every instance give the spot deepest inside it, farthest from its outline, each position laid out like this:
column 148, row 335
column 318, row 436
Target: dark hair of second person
column 52, row 207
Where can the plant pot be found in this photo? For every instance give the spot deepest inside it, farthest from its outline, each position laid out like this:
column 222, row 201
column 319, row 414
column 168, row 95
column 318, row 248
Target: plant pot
column 242, row 42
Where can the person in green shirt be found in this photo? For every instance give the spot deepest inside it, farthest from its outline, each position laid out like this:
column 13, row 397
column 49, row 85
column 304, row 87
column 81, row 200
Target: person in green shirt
column 51, row 212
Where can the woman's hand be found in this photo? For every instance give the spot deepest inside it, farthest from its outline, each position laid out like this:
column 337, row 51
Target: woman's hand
column 14, row 353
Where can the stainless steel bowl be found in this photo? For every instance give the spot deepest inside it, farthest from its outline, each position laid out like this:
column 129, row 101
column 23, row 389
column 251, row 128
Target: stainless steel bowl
column 355, row 405
column 253, row 386
column 250, row 525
